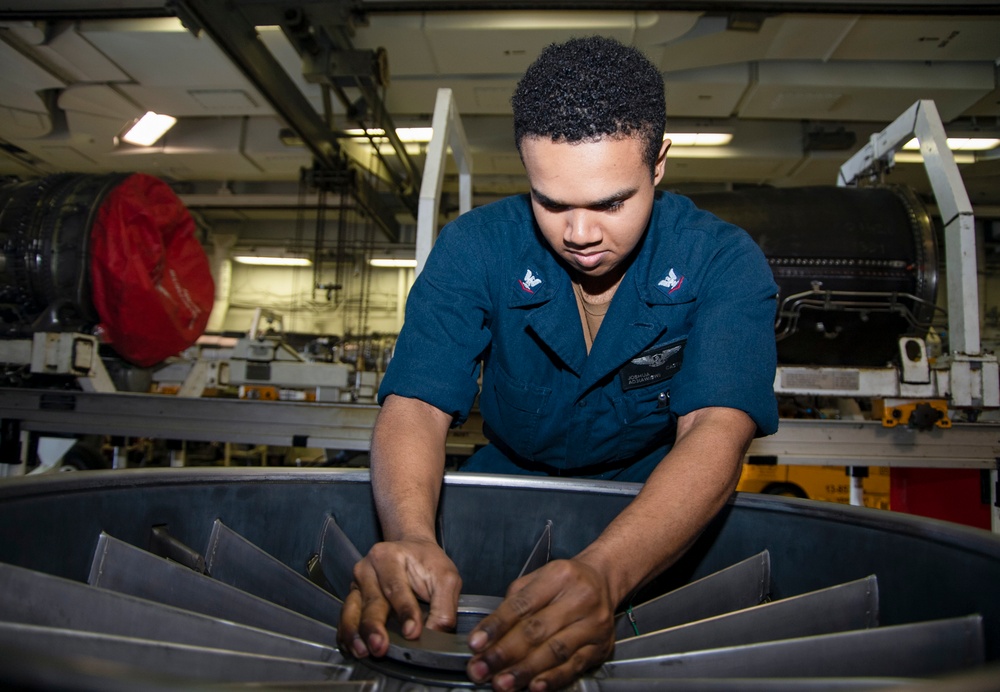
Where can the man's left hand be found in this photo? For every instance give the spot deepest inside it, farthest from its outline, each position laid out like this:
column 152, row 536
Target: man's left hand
column 555, row 624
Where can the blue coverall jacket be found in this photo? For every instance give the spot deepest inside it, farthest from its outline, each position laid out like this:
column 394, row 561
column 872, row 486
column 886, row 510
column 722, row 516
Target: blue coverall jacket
column 690, row 326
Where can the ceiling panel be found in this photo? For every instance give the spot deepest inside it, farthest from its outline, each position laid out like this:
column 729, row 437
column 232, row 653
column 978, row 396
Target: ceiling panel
column 404, row 32
column 755, row 171
column 864, row 91
column 82, row 147
column 65, row 152
column 505, row 43
column 162, row 53
column 807, row 37
column 76, row 56
column 263, row 146
column 12, row 166
column 182, row 102
column 99, row 99
column 988, row 106
column 491, row 96
column 21, row 80
column 709, row 44
column 766, row 84
column 656, row 29
column 20, row 124
column 207, row 148
column 921, row 38
column 711, row 92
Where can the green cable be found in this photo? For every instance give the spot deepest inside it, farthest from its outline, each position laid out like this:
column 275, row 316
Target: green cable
column 631, row 619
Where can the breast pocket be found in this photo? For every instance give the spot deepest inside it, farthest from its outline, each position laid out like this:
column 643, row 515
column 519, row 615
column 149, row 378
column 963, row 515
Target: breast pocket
column 519, row 408
column 643, row 406
column 646, row 420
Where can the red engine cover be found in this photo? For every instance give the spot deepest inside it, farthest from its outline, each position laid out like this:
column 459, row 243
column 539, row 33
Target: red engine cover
column 151, row 282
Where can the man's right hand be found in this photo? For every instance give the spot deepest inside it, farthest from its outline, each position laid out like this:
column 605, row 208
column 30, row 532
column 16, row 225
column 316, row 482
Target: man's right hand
column 390, row 580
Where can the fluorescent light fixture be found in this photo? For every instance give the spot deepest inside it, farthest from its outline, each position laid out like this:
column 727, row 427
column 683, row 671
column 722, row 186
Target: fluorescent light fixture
column 961, row 144
column 414, row 134
column 390, row 262
column 405, row 134
column 371, row 132
column 274, row 257
column 411, row 149
column 917, row 157
column 402, row 257
column 699, row 139
column 146, row 130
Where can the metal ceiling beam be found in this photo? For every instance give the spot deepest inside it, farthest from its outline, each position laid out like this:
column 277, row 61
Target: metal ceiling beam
column 81, row 9
column 84, row 9
column 321, row 33
column 902, row 7
column 237, row 37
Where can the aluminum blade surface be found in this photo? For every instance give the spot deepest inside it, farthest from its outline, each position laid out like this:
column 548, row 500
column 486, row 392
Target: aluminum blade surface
column 122, row 567
column 923, row 649
column 849, row 606
column 234, row 560
column 739, row 586
column 540, row 553
column 744, row 685
column 337, row 557
column 34, row 598
column 167, row 658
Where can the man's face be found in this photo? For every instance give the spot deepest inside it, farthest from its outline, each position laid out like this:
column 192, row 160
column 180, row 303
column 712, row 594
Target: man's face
column 592, row 200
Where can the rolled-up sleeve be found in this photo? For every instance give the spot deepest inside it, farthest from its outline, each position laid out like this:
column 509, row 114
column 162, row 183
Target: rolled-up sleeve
column 731, row 357
column 445, row 331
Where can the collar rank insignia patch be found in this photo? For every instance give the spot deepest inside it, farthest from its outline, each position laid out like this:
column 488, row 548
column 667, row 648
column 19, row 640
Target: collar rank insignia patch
column 529, row 282
column 671, row 282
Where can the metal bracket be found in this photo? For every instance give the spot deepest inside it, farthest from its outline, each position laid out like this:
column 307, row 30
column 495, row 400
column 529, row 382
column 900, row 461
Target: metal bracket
column 913, row 357
column 69, row 353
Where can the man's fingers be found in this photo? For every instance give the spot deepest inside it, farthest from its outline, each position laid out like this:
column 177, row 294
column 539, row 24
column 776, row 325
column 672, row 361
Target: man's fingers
column 525, row 597
column 348, row 637
column 573, row 667
column 553, row 625
column 388, row 582
column 375, row 609
column 556, row 661
column 533, row 644
column 443, row 615
column 546, row 588
column 393, row 583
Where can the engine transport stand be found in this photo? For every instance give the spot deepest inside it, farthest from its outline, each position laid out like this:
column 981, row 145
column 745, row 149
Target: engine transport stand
column 965, row 379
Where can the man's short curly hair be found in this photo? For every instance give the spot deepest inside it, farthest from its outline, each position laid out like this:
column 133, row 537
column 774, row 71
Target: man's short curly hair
column 589, row 88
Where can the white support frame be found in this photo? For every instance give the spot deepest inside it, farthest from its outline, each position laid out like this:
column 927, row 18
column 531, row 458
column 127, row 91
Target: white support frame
column 921, row 120
column 448, row 133
column 974, row 378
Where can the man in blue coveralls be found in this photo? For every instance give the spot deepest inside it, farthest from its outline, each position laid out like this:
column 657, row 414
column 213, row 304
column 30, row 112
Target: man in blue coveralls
column 621, row 334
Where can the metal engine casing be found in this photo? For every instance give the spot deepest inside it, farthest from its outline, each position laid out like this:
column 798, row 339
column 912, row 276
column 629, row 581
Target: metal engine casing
column 45, row 227
column 856, row 268
column 927, row 569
